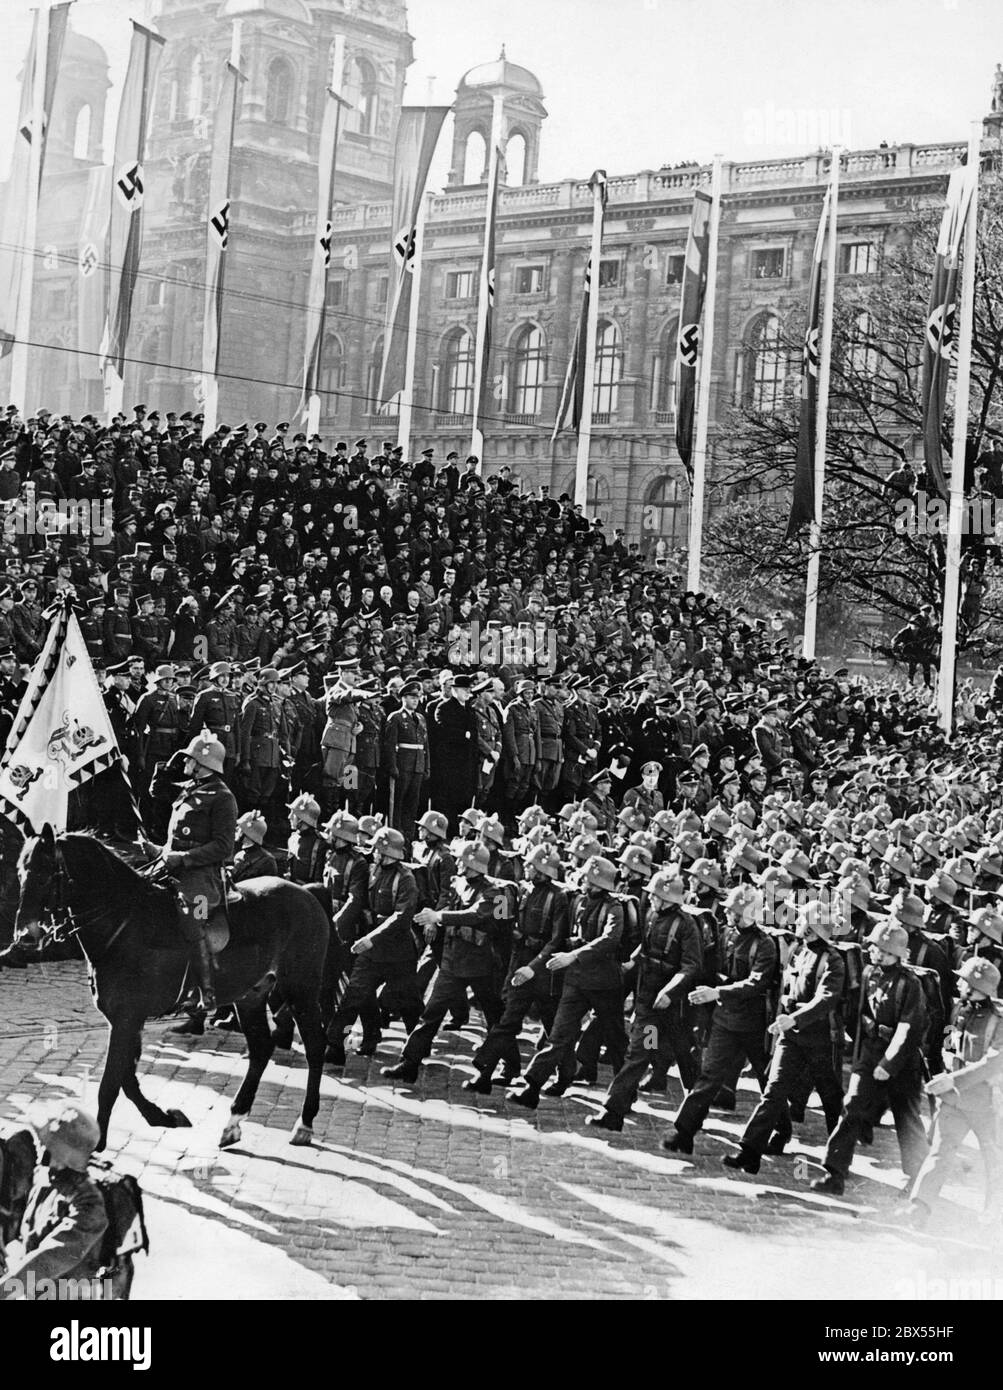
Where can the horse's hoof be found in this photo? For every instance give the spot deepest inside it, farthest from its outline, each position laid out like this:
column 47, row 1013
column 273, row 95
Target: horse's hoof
column 230, row 1135
column 302, row 1135
column 178, row 1120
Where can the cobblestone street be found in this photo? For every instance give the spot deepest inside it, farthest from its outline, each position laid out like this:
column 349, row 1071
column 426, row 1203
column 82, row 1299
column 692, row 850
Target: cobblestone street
column 429, row 1192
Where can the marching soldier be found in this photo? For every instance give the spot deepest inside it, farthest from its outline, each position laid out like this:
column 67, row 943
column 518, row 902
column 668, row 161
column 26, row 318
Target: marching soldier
column 887, row 1060
column 307, row 851
column 738, row 1025
column 668, row 961
column 809, row 1033
column 592, row 981
column 964, row 1091
column 384, row 951
column 539, row 932
column 405, row 757
column 434, row 869
column 473, row 911
column 252, row 860
column 346, row 878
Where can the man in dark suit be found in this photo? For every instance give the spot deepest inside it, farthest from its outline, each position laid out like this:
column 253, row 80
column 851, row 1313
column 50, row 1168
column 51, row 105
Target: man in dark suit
column 456, row 749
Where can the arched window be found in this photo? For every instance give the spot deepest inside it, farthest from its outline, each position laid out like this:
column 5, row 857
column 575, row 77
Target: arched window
column 361, row 91
column 609, row 363
column 665, row 517
column 196, row 85
column 596, row 493
column 515, row 160
column 663, row 372
column 279, row 92
column 82, row 133
column 458, row 373
column 764, row 369
column 528, row 371
column 332, row 371
column 474, row 157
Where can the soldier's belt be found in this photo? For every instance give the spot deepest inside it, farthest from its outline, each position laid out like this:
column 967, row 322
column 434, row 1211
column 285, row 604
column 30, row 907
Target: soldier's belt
column 165, row 728
column 470, row 934
column 412, row 747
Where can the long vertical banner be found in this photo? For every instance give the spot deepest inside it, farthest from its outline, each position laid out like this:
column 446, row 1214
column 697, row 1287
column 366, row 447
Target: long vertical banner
column 125, row 222
column 92, row 271
column 316, row 299
column 218, row 229
column 574, row 378
column 417, row 135
column 688, row 331
column 803, row 499
column 939, row 342
column 17, row 259
column 488, row 290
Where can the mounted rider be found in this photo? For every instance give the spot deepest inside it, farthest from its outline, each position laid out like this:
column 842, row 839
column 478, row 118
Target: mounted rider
column 200, row 841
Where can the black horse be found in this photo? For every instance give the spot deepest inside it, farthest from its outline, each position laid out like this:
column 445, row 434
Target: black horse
column 127, row 929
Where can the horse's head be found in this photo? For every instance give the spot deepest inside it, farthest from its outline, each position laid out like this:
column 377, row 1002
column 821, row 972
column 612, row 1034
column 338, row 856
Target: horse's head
column 39, row 877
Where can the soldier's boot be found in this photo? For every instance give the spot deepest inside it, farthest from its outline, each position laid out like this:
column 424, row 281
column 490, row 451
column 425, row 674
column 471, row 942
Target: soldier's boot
column 205, row 969
column 402, row 1071
column 479, row 1083
column 334, row 1053
column 747, row 1160
column 657, row 1084
column 725, row 1098
column 193, row 1025
column 555, row 1088
column 606, row 1119
column 367, row 1047
column 528, row 1095
column 776, row 1147
column 584, row 1076
column 832, row 1183
column 679, row 1143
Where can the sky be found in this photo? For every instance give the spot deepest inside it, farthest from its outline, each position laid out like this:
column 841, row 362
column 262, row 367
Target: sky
column 636, row 84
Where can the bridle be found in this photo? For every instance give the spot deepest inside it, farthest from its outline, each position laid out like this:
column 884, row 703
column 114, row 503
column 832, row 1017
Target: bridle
column 59, row 921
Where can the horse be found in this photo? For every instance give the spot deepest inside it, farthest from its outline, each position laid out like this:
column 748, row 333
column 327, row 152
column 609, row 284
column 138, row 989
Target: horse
column 74, row 885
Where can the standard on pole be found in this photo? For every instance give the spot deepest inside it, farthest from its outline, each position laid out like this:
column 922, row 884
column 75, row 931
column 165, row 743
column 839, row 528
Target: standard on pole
column 695, row 541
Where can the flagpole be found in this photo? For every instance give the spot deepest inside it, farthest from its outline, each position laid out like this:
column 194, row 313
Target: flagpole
column 822, row 417
column 483, row 301
column 706, row 340
column 210, row 407
column 337, row 73
column 591, row 334
column 406, row 408
column 959, row 442
column 26, row 280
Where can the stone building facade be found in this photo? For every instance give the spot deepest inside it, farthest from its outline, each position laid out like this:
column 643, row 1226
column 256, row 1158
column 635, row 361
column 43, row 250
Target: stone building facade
column 769, row 216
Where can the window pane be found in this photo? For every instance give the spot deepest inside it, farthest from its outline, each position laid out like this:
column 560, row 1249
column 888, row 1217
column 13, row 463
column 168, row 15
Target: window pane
column 769, row 366
column 609, row 274
column 607, row 374
column 529, row 373
column 459, row 379
column 768, row 264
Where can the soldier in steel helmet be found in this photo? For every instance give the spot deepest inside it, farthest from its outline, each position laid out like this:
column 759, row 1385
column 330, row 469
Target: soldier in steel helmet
column 200, row 841
column 887, row 1059
column 973, row 1054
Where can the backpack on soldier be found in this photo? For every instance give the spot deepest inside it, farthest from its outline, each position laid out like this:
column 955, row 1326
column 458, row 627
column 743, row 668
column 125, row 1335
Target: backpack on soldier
column 712, row 948
column 632, row 933
column 126, row 1235
column 18, row 1160
column 933, row 999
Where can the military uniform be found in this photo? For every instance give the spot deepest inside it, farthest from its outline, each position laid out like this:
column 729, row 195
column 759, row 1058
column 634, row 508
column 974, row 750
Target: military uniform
column 218, row 710
column 158, row 727
column 405, row 758
column 307, row 852
column 367, row 757
column 550, row 720
column 670, row 948
column 63, row 1227
column 520, row 751
column 253, row 861
column 117, row 630
column 454, row 767
column 263, row 736
column 202, row 828
column 540, row 930
column 489, row 747
column 338, row 739
column 580, row 736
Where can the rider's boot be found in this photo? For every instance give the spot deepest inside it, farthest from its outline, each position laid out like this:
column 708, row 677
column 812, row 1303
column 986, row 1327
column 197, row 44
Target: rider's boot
column 206, row 970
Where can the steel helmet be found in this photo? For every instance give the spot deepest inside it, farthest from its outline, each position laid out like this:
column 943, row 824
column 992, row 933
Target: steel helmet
column 567, row 810
column 390, row 843
column 664, row 823
column 75, row 1129
column 772, row 821
column 708, row 872
column 206, row 751
column 539, row 835
column 775, row 880
column 666, row 887
column 988, row 922
column 645, row 839
column 305, row 808
column 838, row 851
column 435, row 823
column 533, row 815
column 779, row 843
column 472, row 818
column 253, row 826
column 492, row 830
column 953, row 838
column 851, row 865
column 941, row 886
column 898, row 859
column 473, row 856
column 988, row 862
column 716, row 822
column 637, row 860
column 632, row 819
column 980, row 975
column 746, row 813
column 745, row 855
column 545, row 860
column 927, row 843
column 600, row 873
column 815, row 916
column 797, row 864
column 890, row 937
column 367, row 828
column 690, row 845
column 882, row 813
column 773, row 802
column 583, row 847
column 816, row 813
column 876, row 841
column 857, row 889
column 961, row 871
column 907, row 908
column 901, row 832
column 343, row 826
column 581, row 821
column 687, row 820
column 794, row 811
column 745, row 903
